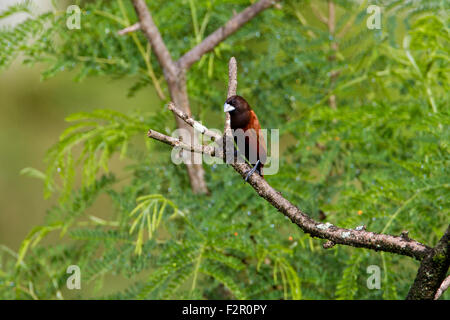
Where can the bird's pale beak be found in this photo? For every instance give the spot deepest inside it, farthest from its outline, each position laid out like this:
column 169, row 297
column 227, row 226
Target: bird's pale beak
column 228, row 107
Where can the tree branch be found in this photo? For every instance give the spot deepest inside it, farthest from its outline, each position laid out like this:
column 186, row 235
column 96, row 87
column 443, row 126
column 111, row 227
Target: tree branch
column 154, row 37
column 223, row 32
column 195, row 124
column 352, row 237
column 432, row 270
column 331, row 21
column 228, row 140
column 177, row 142
column 319, row 14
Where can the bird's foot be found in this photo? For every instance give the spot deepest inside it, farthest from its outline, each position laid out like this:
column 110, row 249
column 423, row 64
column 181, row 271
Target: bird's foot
column 250, row 172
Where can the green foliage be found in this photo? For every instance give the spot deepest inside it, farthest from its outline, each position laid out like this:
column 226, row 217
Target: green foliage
column 381, row 158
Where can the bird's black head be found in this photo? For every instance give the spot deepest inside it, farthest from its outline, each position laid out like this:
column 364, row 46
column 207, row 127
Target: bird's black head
column 236, row 105
column 239, row 111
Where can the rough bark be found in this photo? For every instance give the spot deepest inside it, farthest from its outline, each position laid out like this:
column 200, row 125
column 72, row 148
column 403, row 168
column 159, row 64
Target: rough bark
column 224, row 32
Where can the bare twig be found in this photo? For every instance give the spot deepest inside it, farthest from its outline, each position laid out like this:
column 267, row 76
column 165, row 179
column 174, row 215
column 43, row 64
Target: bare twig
column 232, row 78
column 177, row 142
column 404, row 234
column 432, row 270
column 154, row 37
column 334, row 46
column 175, row 72
column 195, row 124
column 352, row 237
column 444, row 286
column 176, row 83
column 223, row 32
column 129, row 29
column 319, row 14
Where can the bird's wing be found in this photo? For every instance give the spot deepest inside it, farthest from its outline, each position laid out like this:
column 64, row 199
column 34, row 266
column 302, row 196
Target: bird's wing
column 260, row 147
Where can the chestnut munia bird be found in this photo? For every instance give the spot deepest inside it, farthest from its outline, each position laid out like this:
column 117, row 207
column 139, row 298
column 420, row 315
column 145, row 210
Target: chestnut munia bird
column 243, row 117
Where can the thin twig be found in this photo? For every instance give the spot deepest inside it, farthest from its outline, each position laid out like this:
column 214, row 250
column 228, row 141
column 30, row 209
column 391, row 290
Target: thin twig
column 432, row 271
column 195, row 124
column 132, row 28
column 211, row 41
column 175, row 72
column 351, row 237
column 176, row 142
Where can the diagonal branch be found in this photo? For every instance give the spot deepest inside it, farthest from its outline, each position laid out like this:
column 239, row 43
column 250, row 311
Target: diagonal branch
column 358, row 237
column 223, row 32
column 177, row 142
column 147, row 25
column 132, row 28
column 319, row 14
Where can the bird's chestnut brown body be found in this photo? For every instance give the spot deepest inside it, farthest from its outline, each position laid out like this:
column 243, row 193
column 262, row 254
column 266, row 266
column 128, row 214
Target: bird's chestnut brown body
column 243, row 117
